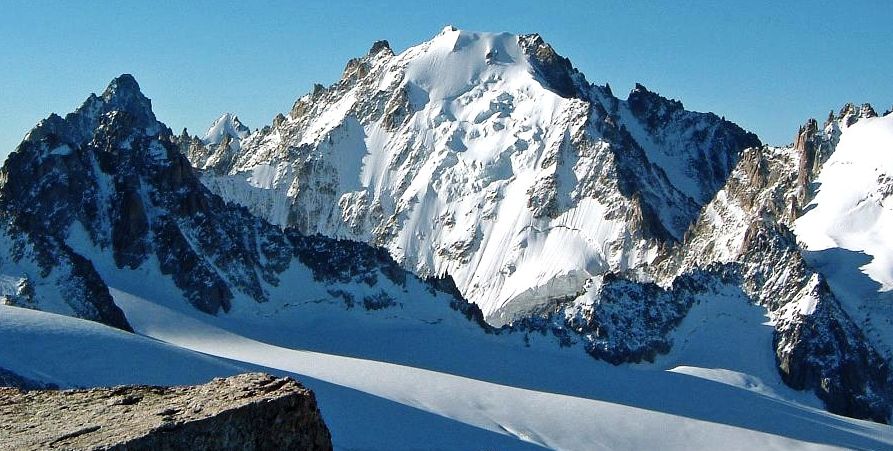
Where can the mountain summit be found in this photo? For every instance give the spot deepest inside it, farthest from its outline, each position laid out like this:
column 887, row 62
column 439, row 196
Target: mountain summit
column 217, row 149
column 226, row 126
column 124, row 94
column 482, row 156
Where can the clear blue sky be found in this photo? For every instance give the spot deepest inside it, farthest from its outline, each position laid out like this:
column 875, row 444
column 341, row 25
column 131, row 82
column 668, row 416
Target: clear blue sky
column 767, row 65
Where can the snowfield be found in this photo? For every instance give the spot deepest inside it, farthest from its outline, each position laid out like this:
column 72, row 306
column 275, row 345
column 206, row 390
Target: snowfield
column 846, row 228
column 853, row 208
column 466, row 393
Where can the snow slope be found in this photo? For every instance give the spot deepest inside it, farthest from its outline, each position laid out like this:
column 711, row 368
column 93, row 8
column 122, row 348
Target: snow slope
column 76, row 353
column 72, row 352
column 853, row 208
column 450, row 394
column 846, row 228
column 724, row 340
column 589, row 419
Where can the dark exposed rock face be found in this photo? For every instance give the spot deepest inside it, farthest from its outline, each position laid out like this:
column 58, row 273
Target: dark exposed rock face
column 124, row 188
column 194, row 149
column 631, row 322
column 345, row 261
column 807, row 146
column 556, row 71
column 827, row 353
column 73, row 278
column 626, row 321
column 123, row 94
column 867, row 111
column 715, row 143
column 244, row 412
column 641, row 181
column 817, row 348
column 458, row 302
column 133, row 192
column 379, row 46
column 814, row 149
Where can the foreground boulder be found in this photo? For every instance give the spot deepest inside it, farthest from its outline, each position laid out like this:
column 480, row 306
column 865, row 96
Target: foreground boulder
column 244, row 412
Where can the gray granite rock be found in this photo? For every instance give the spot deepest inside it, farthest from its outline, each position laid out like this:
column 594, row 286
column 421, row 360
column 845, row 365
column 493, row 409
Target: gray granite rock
column 244, row 412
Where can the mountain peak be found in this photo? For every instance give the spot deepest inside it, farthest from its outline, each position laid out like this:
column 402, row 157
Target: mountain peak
column 640, row 98
column 123, row 94
column 557, row 72
column 122, row 84
column 867, row 111
column 449, row 29
column 850, row 113
column 475, row 57
column 378, row 46
column 227, row 125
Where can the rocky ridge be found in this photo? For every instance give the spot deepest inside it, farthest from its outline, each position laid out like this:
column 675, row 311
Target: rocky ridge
column 742, row 245
column 244, row 412
column 218, row 147
column 85, row 209
column 748, row 229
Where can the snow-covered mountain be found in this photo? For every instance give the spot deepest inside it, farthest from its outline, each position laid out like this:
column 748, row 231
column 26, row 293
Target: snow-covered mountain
column 559, row 208
column 748, row 233
column 574, row 222
column 227, row 126
column 219, row 146
column 103, row 198
column 489, row 158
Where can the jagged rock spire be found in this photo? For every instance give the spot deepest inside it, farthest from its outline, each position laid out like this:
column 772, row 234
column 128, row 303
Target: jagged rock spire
column 124, row 94
column 556, row 71
column 867, row 111
column 379, row 46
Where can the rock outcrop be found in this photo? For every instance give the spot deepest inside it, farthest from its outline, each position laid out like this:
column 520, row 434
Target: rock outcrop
column 244, row 412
